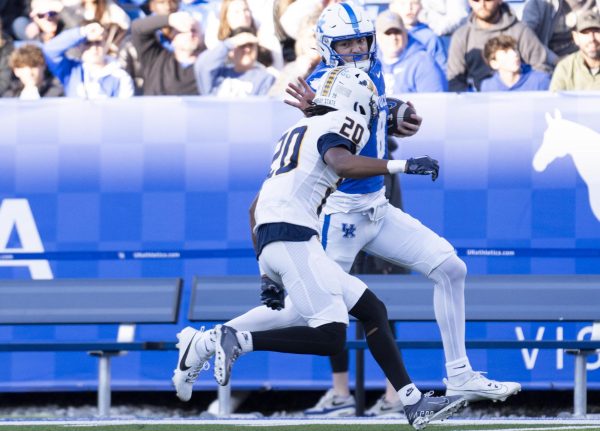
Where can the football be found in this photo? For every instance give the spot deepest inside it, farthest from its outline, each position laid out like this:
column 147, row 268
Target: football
column 399, row 111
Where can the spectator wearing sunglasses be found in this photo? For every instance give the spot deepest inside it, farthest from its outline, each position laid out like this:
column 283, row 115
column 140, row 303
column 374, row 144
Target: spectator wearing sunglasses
column 45, row 22
column 95, row 75
column 489, row 18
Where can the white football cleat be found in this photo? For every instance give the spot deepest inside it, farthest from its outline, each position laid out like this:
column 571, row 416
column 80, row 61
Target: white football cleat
column 190, row 362
column 478, row 388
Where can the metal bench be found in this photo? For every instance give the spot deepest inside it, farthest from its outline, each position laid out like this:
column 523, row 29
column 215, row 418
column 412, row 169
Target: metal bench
column 91, row 301
column 524, row 298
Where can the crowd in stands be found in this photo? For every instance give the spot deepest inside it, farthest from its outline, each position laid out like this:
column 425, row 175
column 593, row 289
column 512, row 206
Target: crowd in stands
column 97, row 49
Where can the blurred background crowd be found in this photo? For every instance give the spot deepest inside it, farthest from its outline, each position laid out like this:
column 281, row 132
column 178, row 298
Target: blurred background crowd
column 237, row 48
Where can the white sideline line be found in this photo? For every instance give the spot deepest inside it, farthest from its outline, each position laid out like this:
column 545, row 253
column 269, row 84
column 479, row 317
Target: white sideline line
column 554, row 424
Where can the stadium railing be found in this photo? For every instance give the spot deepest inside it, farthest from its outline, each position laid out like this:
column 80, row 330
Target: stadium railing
column 522, row 298
column 126, row 302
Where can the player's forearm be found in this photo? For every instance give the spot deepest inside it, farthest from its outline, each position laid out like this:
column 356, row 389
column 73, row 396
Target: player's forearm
column 363, row 167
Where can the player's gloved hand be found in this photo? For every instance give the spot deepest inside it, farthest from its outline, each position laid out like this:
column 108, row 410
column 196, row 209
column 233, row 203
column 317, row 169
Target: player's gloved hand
column 272, row 294
column 423, row 165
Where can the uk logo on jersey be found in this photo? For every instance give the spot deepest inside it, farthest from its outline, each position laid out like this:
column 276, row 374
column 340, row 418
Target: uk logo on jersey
column 349, row 230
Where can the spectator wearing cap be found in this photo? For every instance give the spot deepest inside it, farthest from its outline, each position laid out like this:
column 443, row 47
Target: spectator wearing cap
column 409, row 12
column 553, row 21
column 510, row 74
column 32, row 78
column 44, row 22
column 234, row 14
column 231, row 68
column 489, row 18
column 406, row 65
column 168, row 72
column 95, row 76
column 581, row 70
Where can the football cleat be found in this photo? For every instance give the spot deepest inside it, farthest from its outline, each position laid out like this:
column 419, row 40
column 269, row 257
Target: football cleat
column 190, row 362
column 430, row 408
column 227, row 350
column 479, row 388
column 333, row 405
column 384, row 407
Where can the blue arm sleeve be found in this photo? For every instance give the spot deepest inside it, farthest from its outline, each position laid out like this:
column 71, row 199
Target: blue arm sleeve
column 207, row 66
column 330, row 140
column 55, row 49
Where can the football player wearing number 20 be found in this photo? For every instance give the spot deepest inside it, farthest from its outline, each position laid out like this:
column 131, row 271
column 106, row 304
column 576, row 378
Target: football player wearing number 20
column 345, row 35
column 310, row 159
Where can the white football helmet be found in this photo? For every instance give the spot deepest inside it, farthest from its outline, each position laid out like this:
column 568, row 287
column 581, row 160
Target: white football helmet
column 341, row 21
column 348, row 88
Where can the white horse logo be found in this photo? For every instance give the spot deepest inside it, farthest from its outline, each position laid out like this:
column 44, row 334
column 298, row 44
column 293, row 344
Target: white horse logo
column 564, row 137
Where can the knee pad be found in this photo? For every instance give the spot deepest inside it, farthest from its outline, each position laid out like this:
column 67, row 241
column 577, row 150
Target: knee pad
column 453, row 269
column 371, row 312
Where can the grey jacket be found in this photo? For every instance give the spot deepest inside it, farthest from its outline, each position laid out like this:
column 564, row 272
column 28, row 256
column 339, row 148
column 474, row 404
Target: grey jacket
column 466, row 66
column 542, row 16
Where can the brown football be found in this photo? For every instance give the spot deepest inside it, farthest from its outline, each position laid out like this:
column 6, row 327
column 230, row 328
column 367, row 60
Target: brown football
column 399, row 111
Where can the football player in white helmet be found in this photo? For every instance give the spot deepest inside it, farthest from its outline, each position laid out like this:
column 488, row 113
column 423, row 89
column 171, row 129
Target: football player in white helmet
column 385, row 231
column 336, row 43
column 309, row 160
column 379, row 229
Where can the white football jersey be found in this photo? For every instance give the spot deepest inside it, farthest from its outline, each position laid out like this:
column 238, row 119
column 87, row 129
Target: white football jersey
column 300, row 181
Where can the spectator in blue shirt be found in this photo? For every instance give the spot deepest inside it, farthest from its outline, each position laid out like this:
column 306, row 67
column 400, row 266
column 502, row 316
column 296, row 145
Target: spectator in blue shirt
column 409, row 12
column 96, row 75
column 406, row 65
column 501, row 54
column 231, row 68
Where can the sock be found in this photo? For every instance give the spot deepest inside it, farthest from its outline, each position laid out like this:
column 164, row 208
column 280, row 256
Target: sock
column 449, row 306
column 205, row 344
column 459, row 371
column 409, row 395
column 245, row 340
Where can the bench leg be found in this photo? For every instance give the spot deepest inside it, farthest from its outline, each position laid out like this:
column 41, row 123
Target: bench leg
column 359, row 386
column 580, row 389
column 104, row 385
column 359, row 391
column 225, row 400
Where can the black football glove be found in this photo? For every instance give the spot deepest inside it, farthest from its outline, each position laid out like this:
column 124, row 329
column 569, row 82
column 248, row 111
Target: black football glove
column 272, row 294
column 423, row 165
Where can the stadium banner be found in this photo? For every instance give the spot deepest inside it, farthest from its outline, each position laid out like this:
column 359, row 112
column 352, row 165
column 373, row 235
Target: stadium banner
column 160, row 187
